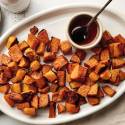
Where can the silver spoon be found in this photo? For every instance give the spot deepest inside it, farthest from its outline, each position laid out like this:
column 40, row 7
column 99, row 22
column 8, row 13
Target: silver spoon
column 81, row 32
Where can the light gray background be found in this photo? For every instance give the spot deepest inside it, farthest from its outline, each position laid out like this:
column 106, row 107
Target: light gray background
column 113, row 114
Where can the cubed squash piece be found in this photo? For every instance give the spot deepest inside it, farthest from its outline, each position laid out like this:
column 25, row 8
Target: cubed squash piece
column 32, row 41
column 83, row 90
column 119, row 38
column 41, row 48
column 91, row 63
column 5, row 59
column 35, row 101
column 43, row 36
column 28, row 80
column 108, row 90
column 78, row 73
column 4, row 88
column 107, row 37
column 75, row 84
column 72, row 108
column 61, row 75
column 52, row 109
column 116, row 49
column 30, row 53
column 22, row 105
column 11, row 41
column 93, row 100
column 104, row 55
column 15, row 53
column 93, row 90
column 16, row 97
column 30, row 111
column 23, row 62
column 66, row 47
column 75, row 59
column 54, row 44
column 34, row 30
column 43, row 100
column 49, row 56
column 44, row 90
column 16, row 87
column 46, row 68
column 122, row 75
column 61, row 108
column 9, row 100
column 23, row 45
column 106, row 75
column 26, row 88
column 20, row 74
column 50, row 76
column 60, row 62
column 35, row 65
column 118, row 62
column 93, row 76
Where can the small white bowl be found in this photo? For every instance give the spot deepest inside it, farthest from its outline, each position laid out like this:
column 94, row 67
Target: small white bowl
column 97, row 38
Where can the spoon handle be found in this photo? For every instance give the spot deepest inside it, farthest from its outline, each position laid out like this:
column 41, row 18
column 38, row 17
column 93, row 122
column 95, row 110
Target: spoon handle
column 94, row 18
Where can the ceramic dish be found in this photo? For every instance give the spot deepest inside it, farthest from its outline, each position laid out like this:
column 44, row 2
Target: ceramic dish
column 55, row 20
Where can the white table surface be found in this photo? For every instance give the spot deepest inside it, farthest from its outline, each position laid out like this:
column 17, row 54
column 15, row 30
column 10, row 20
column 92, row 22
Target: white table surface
column 113, row 114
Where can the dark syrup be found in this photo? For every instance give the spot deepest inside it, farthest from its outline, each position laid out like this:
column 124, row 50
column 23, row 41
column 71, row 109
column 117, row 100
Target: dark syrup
column 82, row 20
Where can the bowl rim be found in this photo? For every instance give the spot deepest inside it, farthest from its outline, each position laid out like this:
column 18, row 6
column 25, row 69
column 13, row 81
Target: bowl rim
column 97, row 38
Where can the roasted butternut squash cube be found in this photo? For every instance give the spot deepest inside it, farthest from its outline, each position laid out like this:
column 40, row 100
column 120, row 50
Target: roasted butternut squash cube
column 20, row 75
column 107, row 37
column 12, row 65
column 30, row 53
column 3, row 79
column 11, row 41
column 16, row 87
column 116, row 49
column 8, row 72
column 35, row 65
column 30, row 111
column 34, row 30
column 119, row 38
column 50, row 76
column 78, row 73
column 104, row 55
column 15, row 53
column 32, row 41
column 22, row 105
column 60, row 62
column 108, row 90
column 43, row 36
column 49, row 56
column 81, row 101
column 75, row 84
column 9, row 100
column 83, row 90
column 93, row 100
column 91, row 63
column 5, row 59
column 28, row 80
column 35, row 102
column 23, row 45
column 106, row 75
column 61, row 75
column 72, row 108
column 122, row 75
column 4, row 88
column 93, row 90
column 23, row 62
column 61, row 108
column 54, row 44
column 52, row 109
column 70, row 67
column 41, row 48
column 16, row 97
column 46, row 68
column 43, row 100
column 40, row 81
column 118, row 62
column 100, row 92
column 93, row 76
column 75, row 59
column 26, row 88
column 56, row 97
column 66, row 47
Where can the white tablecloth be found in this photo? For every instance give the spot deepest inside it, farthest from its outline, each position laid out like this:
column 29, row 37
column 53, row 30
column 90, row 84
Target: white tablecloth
column 113, row 114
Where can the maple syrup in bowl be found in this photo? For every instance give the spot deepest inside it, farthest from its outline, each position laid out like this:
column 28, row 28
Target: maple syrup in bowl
column 84, row 40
